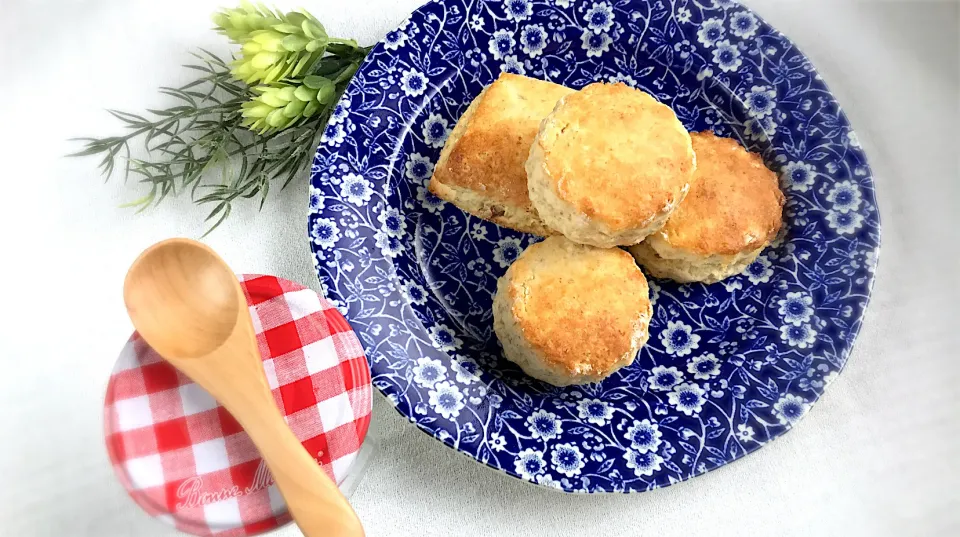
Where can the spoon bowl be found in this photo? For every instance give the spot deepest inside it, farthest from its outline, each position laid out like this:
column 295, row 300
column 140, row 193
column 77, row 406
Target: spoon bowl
column 188, row 306
column 205, row 291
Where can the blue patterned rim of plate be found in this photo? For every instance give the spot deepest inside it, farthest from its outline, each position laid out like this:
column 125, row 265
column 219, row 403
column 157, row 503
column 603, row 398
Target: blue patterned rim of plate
column 728, row 367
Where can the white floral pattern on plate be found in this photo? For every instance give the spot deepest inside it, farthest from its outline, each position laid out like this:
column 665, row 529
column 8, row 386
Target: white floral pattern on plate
column 728, row 366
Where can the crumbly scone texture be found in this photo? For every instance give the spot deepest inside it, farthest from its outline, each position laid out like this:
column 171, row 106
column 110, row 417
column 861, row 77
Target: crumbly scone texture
column 481, row 168
column 567, row 313
column 733, row 210
column 686, row 269
column 609, row 165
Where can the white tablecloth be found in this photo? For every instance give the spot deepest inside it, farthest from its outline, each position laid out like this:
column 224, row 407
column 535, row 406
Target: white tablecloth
column 878, row 455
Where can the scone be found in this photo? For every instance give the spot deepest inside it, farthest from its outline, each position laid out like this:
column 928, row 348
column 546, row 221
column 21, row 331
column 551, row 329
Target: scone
column 567, row 313
column 481, row 167
column 733, row 210
column 609, row 165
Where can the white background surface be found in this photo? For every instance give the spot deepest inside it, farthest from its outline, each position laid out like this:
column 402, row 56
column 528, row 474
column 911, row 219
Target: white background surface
column 878, row 455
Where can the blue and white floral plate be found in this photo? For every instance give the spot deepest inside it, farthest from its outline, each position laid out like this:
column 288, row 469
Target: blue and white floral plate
column 728, row 367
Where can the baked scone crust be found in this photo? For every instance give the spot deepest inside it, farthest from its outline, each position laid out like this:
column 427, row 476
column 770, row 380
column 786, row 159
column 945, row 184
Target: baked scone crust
column 569, row 313
column 481, row 168
column 733, row 210
column 609, row 165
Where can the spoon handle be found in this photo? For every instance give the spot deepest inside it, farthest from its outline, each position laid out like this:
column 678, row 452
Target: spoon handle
column 314, row 501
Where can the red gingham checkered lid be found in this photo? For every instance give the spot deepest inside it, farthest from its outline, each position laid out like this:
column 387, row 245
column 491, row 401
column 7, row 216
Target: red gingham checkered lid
column 185, row 460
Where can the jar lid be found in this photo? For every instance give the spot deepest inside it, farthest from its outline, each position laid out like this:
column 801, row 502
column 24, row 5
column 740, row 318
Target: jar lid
column 184, row 459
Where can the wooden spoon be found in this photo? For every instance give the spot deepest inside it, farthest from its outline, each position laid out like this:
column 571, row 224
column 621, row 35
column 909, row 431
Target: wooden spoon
column 189, row 307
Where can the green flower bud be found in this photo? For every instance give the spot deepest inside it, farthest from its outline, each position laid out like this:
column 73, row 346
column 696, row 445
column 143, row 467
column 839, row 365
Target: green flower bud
column 282, row 104
column 274, row 46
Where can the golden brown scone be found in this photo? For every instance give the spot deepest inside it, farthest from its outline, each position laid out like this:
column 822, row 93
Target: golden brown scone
column 609, row 165
column 732, row 212
column 481, row 168
column 567, row 313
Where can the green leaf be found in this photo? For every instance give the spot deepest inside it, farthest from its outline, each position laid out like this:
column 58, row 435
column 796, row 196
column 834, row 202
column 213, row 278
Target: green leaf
column 294, row 108
column 315, row 25
column 276, row 118
column 287, row 28
column 128, row 118
column 313, row 82
column 311, row 108
column 347, row 73
column 317, row 45
column 273, row 98
column 330, row 65
column 223, row 217
column 305, row 94
column 220, row 19
column 275, row 74
column 139, row 202
column 327, row 93
column 346, row 49
column 257, row 111
column 264, row 60
column 308, row 29
column 251, row 48
column 288, row 93
column 295, row 43
column 266, row 38
column 297, row 18
column 304, row 62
